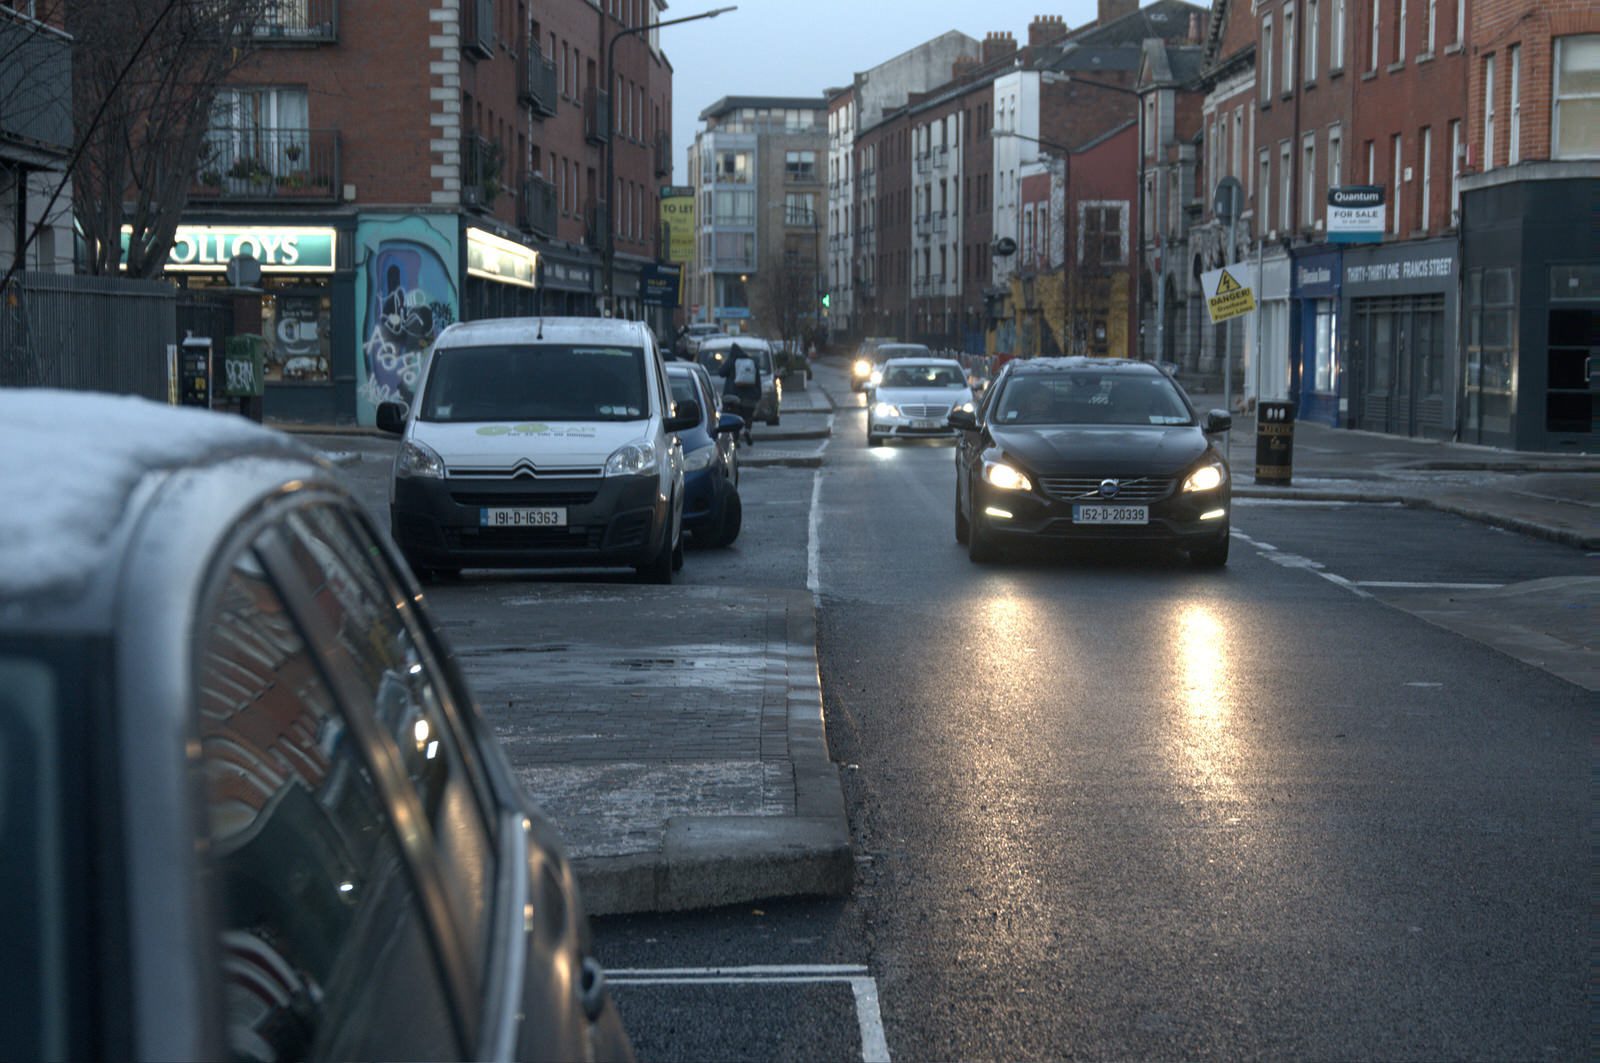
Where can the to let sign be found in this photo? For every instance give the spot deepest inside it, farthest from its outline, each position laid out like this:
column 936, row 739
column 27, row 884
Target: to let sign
column 1355, row 214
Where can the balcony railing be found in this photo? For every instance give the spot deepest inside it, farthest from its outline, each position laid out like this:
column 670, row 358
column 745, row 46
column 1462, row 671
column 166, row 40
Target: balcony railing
column 536, row 80
column 298, row 22
column 255, row 164
column 923, row 161
column 596, row 116
column 477, row 28
column 663, row 152
column 482, row 165
column 940, row 158
column 536, row 206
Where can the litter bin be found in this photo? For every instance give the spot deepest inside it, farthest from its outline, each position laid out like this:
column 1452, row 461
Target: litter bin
column 1274, row 442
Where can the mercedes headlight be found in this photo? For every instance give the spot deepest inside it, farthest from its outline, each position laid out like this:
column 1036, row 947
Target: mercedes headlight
column 700, row 458
column 418, row 460
column 876, row 378
column 886, row 409
column 1003, row 476
column 964, row 407
column 635, row 459
column 1207, row 478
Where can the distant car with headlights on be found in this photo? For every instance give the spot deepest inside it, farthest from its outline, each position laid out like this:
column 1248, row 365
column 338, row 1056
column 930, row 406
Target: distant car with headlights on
column 914, row 399
column 887, row 351
column 1079, row 450
column 712, row 511
column 866, row 360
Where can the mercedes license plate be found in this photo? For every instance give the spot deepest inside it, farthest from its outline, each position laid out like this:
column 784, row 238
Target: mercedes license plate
column 552, row 517
column 1111, row 514
column 927, row 422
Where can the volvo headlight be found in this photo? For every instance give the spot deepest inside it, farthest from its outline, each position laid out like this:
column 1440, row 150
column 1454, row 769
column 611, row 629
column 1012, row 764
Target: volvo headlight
column 1003, row 476
column 862, row 367
column 886, row 409
column 635, row 459
column 415, row 459
column 695, row 460
column 1207, row 478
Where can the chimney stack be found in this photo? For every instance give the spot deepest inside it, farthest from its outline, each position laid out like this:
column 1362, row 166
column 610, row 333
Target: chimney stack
column 1115, row 9
column 999, row 44
column 1046, row 29
column 964, row 65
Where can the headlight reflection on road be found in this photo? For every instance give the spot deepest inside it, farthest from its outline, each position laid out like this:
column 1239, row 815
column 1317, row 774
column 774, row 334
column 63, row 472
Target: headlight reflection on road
column 1205, row 680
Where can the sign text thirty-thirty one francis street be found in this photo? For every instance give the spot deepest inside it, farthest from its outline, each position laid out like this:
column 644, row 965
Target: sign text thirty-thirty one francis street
column 1356, row 214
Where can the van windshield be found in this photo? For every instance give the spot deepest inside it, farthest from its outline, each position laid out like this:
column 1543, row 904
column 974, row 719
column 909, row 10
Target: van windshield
column 525, row 382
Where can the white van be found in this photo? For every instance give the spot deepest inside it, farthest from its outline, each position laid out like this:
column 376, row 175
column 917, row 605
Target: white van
column 536, row 442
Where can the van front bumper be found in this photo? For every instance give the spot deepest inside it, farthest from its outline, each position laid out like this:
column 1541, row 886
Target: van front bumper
column 610, row 521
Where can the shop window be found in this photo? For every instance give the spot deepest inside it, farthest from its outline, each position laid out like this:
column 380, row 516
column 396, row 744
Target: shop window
column 298, row 326
column 1325, row 348
column 1491, row 352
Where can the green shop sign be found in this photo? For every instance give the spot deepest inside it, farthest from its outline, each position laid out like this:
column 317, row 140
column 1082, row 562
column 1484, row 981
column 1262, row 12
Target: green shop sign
column 279, row 249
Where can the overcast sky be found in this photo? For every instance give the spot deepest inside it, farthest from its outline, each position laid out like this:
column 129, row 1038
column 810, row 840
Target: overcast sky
column 799, row 48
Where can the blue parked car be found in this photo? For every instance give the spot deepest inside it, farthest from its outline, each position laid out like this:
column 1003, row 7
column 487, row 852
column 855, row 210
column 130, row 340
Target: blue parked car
column 712, row 512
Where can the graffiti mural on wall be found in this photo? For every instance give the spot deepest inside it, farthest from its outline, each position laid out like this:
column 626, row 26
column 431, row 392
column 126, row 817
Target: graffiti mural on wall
column 409, row 298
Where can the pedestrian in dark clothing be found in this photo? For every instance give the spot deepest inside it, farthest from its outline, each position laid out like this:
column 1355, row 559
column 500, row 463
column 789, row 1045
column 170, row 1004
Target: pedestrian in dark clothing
column 742, row 379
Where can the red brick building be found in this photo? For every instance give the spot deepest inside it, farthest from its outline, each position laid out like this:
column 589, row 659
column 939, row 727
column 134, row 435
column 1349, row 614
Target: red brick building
column 1530, row 373
column 384, row 205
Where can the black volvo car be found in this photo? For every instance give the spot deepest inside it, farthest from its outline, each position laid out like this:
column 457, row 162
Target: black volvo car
column 1090, row 449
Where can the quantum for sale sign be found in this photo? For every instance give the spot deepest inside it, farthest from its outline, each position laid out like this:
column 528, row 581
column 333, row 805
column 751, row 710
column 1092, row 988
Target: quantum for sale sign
column 1356, row 214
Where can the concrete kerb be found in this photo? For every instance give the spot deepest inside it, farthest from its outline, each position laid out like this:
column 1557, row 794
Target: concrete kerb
column 709, row 861
column 1521, row 525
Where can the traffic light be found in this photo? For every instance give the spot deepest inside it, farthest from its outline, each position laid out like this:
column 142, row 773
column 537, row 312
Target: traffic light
column 827, row 300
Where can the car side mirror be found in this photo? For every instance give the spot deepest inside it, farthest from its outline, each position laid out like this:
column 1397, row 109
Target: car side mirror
column 688, row 408
column 1217, row 421
column 730, row 423
column 392, row 418
column 680, row 422
column 966, row 422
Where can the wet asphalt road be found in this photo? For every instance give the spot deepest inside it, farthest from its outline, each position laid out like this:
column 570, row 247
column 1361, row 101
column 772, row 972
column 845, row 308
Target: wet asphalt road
column 1110, row 806
column 1115, row 807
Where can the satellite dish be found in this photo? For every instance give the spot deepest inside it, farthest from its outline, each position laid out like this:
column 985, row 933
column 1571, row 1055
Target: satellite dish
column 1005, row 246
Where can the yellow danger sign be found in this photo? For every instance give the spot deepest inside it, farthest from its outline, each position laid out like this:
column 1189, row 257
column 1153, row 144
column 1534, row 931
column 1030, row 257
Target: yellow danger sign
column 1226, row 296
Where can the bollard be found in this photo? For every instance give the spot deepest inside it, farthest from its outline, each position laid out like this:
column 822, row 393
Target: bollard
column 1274, row 443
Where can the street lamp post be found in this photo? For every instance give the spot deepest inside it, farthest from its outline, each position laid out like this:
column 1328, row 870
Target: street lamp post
column 611, row 149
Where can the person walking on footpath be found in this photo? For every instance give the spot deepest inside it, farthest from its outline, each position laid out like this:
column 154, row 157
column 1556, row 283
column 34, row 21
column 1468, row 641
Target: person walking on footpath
column 742, row 379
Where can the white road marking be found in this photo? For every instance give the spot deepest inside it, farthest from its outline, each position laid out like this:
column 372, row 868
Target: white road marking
column 1406, row 585
column 1288, row 560
column 814, row 527
column 864, row 988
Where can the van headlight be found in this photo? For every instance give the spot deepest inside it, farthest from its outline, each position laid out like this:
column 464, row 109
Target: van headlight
column 635, row 459
column 418, row 460
column 700, row 458
column 1207, row 478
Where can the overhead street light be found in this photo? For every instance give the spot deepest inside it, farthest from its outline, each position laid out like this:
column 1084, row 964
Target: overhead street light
column 611, row 150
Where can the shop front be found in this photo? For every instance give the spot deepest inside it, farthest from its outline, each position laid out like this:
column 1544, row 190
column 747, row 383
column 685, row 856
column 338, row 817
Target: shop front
column 501, row 276
column 568, row 284
column 660, row 287
column 1316, row 367
column 301, row 308
column 1399, row 313
column 1531, row 378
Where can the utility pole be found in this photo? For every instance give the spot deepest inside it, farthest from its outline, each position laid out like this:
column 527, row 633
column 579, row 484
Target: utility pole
column 610, row 250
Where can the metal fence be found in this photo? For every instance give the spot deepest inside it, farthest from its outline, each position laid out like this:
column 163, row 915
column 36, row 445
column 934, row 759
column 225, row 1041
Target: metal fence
column 87, row 333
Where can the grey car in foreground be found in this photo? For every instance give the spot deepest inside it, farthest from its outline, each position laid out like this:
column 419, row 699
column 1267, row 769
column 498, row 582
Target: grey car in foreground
column 249, row 808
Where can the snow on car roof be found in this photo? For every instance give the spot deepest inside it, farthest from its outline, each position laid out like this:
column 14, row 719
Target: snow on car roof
column 74, row 458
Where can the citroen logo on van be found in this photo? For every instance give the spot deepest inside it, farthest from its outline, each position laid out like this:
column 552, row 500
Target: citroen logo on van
column 1109, row 488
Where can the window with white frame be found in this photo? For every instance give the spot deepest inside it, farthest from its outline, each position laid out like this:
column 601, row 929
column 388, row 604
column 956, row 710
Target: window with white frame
column 1103, row 232
column 1266, row 59
column 1455, row 172
column 1335, row 157
column 1400, row 32
column 1312, row 7
column 1308, row 181
column 1577, row 105
column 1336, row 46
column 1488, row 113
column 1514, row 118
column 1461, row 22
column 1238, row 138
column 1427, row 176
column 1288, row 48
column 1264, row 185
column 1285, row 187
column 1433, row 22
column 1372, row 162
column 1394, row 200
column 1372, row 45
